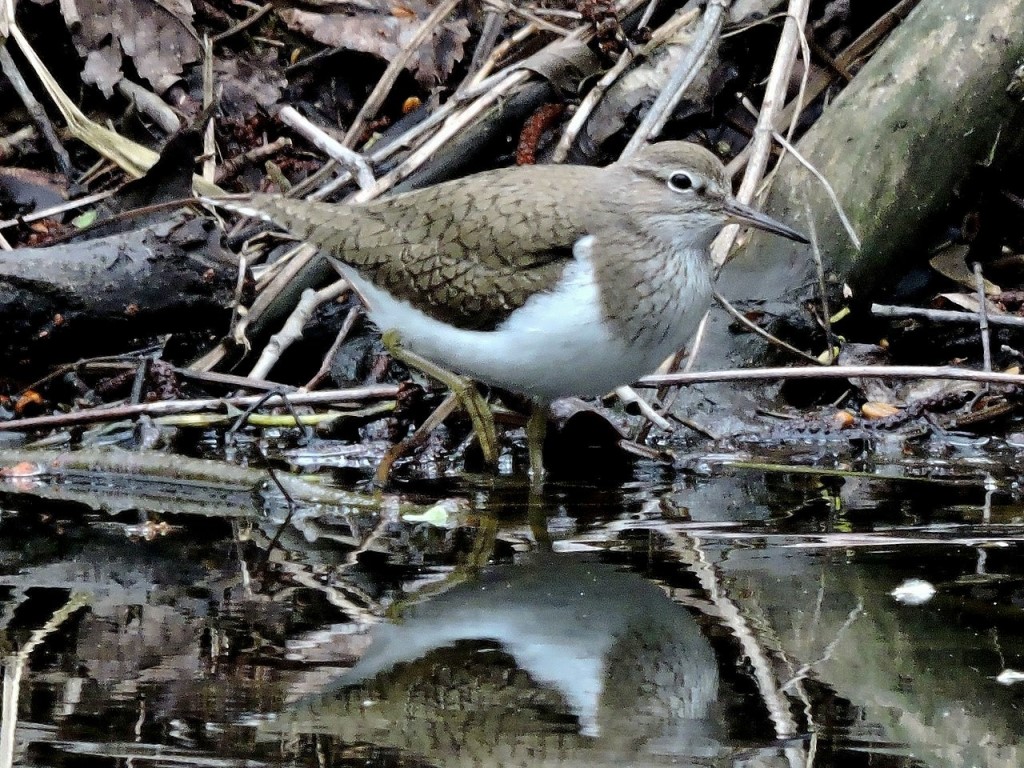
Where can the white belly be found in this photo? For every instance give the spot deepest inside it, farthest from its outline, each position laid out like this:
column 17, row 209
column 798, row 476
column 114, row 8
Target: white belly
column 556, row 345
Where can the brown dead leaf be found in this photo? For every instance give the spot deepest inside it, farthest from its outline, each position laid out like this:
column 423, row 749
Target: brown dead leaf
column 951, row 262
column 248, row 82
column 385, row 32
column 875, row 410
column 842, row 419
column 157, row 35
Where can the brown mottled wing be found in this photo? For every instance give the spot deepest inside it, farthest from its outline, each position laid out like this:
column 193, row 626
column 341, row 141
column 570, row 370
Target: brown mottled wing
column 464, row 252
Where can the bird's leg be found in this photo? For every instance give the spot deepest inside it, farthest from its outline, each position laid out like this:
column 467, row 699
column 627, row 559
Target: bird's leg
column 536, row 429
column 469, row 398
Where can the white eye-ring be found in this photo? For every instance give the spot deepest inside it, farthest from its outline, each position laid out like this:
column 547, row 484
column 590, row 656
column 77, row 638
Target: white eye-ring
column 680, row 181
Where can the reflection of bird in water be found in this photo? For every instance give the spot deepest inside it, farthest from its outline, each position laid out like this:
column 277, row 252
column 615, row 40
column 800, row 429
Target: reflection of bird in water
column 555, row 661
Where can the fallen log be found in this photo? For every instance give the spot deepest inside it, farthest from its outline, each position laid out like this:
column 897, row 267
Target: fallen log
column 101, row 296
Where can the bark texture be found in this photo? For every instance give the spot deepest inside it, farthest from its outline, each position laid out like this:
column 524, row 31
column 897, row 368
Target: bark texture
column 929, row 106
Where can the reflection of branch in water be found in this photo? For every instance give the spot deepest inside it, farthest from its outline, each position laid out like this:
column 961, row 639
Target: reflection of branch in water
column 14, row 667
column 689, row 552
column 802, row 673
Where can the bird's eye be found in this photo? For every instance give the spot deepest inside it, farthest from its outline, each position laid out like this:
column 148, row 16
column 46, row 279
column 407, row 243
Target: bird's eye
column 680, row 181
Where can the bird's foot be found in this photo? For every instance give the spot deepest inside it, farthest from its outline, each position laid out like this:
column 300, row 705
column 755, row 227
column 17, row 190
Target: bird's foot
column 536, row 430
column 464, row 390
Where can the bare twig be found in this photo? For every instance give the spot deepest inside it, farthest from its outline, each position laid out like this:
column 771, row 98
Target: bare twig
column 447, row 407
column 452, row 127
column 209, row 135
column 334, row 149
column 395, row 67
column 944, row 315
column 986, row 341
column 770, row 338
column 229, row 168
column 150, row 104
column 589, row 103
column 57, row 210
column 774, row 96
column 529, row 16
column 494, row 20
column 817, row 84
column 850, row 231
column 167, row 407
column 244, row 23
column 681, row 78
column 586, row 107
column 291, row 331
column 834, row 372
column 35, row 109
column 819, row 268
column 630, row 398
column 498, row 53
column 10, row 144
column 343, row 332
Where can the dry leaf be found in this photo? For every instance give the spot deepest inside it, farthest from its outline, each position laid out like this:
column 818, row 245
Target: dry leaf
column 248, row 81
column 157, row 36
column 385, row 32
column 875, row 410
column 969, row 302
column 951, row 262
column 842, row 419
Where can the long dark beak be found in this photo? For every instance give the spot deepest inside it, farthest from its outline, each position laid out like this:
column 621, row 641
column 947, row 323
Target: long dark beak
column 744, row 214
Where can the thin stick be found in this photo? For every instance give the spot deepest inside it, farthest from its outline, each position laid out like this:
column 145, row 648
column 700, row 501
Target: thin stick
column 589, row 103
column 452, row 127
column 387, row 80
column 986, row 341
column 630, row 397
column 244, row 23
column 493, row 22
column 343, row 332
column 586, row 107
column 774, row 99
column 209, row 137
column 831, row 372
column 850, row 231
column 819, row 267
column 334, row 149
column 231, row 167
column 683, row 75
column 771, row 339
column 944, row 315
column 36, row 111
column 291, row 330
column 166, row 407
column 530, row 17
column 817, row 84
